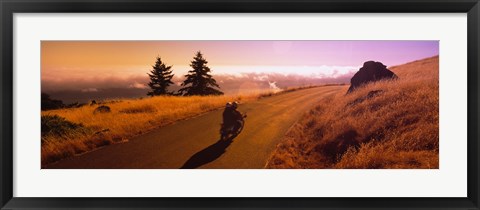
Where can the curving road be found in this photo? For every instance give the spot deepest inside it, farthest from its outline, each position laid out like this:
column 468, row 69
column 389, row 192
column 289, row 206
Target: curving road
column 194, row 143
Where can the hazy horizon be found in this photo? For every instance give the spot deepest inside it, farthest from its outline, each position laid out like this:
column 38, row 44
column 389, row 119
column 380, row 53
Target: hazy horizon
column 85, row 69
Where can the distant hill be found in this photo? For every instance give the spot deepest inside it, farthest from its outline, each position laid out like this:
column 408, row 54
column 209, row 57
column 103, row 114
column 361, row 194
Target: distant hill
column 72, row 96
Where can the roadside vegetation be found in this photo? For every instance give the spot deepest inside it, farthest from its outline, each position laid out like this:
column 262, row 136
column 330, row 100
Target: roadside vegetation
column 386, row 124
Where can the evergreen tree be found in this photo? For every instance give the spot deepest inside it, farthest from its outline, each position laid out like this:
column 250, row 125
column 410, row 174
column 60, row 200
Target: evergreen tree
column 199, row 81
column 160, row 78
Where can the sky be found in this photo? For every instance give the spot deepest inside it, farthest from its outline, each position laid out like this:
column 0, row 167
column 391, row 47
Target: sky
column 89, row 65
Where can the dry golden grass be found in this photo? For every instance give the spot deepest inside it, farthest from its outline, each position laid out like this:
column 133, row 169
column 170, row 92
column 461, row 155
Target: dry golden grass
column 128, row 118
column 395, row 128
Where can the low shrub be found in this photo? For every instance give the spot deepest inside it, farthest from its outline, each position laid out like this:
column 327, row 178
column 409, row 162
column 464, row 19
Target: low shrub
column 54, row 125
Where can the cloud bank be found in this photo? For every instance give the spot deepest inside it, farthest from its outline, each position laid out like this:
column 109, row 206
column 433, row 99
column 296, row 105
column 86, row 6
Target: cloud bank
column 83, row 89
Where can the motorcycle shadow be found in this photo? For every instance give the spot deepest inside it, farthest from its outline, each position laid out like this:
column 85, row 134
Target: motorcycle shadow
column 208, row 154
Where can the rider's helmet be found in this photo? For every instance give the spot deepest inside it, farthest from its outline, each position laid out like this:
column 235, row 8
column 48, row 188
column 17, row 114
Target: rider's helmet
column 228, row 105
column 234, row 105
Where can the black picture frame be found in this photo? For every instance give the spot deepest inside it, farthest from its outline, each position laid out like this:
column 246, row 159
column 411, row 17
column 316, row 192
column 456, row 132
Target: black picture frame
column 9, row 7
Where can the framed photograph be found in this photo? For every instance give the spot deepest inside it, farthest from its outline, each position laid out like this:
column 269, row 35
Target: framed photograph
column 239, row 104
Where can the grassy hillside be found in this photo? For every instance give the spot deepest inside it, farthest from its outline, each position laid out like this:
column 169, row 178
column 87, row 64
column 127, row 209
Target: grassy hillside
column 387, row 124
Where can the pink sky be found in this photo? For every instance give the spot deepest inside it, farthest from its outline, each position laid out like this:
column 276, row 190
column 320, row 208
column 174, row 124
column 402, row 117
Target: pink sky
column 271, row 53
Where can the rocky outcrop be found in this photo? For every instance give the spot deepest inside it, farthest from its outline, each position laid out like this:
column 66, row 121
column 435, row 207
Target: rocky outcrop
column 370, row 72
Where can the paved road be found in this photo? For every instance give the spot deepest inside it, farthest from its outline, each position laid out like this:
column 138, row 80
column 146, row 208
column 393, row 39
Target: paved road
column 194, row 143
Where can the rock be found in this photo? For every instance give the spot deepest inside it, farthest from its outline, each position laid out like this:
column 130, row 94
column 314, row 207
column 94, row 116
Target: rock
column 370, row 72
column 102, row 109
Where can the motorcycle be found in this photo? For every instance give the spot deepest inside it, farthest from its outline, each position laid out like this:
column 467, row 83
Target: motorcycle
column 232, row 130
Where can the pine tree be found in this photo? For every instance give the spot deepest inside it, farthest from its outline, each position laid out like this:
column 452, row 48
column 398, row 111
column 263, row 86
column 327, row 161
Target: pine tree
column 160, row 78
column 199, row 81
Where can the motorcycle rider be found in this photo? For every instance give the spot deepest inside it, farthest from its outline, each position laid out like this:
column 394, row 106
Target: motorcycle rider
column 231, row 115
